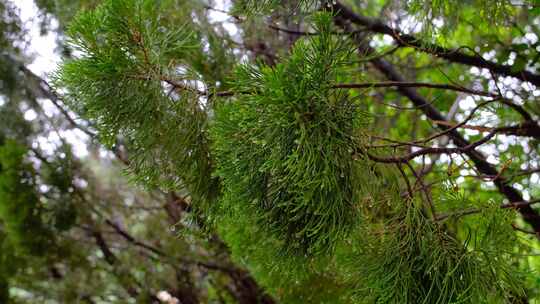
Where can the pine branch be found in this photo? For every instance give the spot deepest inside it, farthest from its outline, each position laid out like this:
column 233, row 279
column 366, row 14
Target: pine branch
column 43, row 88
column 132, row 240
column 525, row 231
column 515, row 205
column 451, row 55
column 406, row 84
column 433, row 150
column 366, row 85
column 529, row 214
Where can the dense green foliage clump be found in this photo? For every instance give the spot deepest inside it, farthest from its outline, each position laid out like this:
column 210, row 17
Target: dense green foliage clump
column 129, row 55
column 285, row 144
column 411, row 259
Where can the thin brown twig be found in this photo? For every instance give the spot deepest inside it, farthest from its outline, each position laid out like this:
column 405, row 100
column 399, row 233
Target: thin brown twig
column 406, row 84
column 514, row 205
column 383, row 84
column 431, row 150
column 524, row 231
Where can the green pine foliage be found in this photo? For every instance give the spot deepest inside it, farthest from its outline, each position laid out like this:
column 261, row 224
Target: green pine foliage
column 290, row 278
column 129, row 57
column 411, row 259
column 285, row 147
column 280, row 163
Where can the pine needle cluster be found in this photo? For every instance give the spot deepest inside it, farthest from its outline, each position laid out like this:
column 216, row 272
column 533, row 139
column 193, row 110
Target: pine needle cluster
column 132, row 78
column 285, row 148
column 411, row 259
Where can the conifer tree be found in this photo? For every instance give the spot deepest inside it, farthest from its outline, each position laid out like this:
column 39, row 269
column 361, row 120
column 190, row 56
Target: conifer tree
column 304, row 158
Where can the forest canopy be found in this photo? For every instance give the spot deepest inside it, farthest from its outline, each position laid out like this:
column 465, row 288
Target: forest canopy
column 273, row 151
